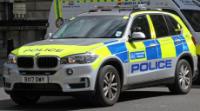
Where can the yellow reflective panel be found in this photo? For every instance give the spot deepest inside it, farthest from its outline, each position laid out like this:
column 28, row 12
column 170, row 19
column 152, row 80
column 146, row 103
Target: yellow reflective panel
column 103, row 52
column 136, row 47
column 167, row 46
column 126, row 17
column 194, row 50
column 198, row 50
column 54, row 50
column 61, row 8
column 187, row 35
column 56, row 13
column 58, row 8
column 153, row 33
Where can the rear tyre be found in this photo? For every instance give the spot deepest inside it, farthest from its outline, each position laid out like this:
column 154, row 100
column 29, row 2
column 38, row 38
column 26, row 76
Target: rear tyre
column 108, row 86
column 24, row 99
column 183, row 78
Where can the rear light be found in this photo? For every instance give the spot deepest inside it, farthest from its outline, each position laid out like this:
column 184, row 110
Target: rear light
column 194, row 41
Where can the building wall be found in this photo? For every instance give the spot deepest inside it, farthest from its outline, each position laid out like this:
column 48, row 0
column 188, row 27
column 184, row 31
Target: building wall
column 37, row 11
column 1, row 11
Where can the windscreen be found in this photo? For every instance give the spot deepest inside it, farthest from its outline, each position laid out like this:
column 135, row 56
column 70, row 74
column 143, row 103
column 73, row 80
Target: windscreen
column 194, row 18
column 93, row 27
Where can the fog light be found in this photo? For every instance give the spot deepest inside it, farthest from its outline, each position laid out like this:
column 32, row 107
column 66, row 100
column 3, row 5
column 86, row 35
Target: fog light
column 69, row 71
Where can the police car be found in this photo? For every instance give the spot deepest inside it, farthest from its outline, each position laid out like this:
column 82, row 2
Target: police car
column 104, row 52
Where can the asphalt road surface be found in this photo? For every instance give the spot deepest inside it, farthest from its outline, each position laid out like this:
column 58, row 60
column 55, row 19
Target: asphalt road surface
column 148, row 99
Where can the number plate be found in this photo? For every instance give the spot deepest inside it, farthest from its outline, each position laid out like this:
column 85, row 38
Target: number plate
column 35, row 79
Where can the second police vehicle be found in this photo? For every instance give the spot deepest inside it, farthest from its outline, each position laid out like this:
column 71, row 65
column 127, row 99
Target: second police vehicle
column 104, row 52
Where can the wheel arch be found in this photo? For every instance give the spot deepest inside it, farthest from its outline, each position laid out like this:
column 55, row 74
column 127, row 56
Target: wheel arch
column 189, row 58
column 115, row 62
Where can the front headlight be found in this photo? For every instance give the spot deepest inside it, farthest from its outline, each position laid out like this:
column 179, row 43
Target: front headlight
column 12, row 59
column 79, row 59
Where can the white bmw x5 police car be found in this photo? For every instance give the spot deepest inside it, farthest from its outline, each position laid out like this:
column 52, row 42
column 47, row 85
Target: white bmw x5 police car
column 105, row 52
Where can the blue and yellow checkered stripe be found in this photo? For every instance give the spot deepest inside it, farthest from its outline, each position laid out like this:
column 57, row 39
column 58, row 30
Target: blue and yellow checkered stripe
column 167, row 47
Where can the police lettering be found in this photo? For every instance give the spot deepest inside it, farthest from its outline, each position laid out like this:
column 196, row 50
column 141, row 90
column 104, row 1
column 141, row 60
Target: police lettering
column 43, row 50
column 149, row 66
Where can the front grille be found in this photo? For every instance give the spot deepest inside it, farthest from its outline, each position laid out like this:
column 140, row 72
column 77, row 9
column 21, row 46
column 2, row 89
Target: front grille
column 25, row 62
column 47, row 62
column 37, row 87
column 37, row 72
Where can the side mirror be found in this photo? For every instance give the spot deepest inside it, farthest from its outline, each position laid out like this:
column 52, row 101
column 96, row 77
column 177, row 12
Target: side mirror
column 137, row 36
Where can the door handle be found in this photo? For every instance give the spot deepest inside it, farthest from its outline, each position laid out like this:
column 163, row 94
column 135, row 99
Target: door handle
column 153, row 45
column 177, row 40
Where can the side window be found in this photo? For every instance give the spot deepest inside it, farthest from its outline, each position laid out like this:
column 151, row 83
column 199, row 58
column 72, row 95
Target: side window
column 160, row 26
column 174, row 26
column 140, row 24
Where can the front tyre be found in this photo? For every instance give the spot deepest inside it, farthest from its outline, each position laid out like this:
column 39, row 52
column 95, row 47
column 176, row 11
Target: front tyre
column 183, row 78
column 108, row 86
column 24, row 99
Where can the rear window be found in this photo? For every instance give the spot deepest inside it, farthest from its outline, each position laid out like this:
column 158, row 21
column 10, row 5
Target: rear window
column 173, row 26
column 159, row 25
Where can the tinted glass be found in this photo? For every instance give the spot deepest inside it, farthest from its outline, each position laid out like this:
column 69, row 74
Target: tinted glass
column 160, row 25
column 140, row 24
column 173, row 25
column 93, row 27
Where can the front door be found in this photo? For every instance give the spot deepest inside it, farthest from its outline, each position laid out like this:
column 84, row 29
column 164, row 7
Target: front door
column 142, row 52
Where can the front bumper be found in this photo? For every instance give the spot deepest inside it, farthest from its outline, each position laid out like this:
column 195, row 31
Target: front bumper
column 83, row 79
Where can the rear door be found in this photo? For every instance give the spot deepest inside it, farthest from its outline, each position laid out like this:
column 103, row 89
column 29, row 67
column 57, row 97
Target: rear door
column 168, row 42
column 163, row 36
column 176, row 32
